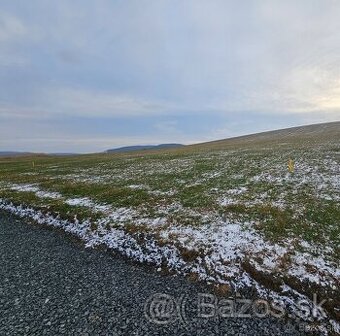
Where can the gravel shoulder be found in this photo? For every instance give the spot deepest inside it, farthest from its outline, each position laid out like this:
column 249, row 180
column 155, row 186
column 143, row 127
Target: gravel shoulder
column 51, row 285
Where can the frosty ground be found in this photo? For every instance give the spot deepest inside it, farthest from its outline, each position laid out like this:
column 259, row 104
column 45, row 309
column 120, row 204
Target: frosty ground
column 227, row 213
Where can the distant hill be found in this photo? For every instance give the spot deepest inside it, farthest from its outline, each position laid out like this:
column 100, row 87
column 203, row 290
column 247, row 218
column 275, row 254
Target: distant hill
column 62, row 154
column 141, row 148
column 304, row 135
column 15, row 154
column 10, row 154
column 310, row 135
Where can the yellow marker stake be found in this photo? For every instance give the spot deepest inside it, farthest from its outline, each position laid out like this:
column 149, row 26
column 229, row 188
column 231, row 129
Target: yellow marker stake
column 291, row 166
column 33, row 164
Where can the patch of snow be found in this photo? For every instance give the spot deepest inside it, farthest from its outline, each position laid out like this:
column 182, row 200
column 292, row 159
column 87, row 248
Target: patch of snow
column 24, row 187
column 48, row 194
column 87, row 202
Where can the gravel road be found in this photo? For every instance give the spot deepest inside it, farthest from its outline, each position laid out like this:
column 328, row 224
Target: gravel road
column 51, row 285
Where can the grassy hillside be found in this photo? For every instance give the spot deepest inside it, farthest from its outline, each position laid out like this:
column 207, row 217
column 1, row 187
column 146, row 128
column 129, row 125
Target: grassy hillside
column 227, row 211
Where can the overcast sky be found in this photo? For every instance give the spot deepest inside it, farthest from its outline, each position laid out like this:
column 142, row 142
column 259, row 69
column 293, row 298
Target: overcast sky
column 88, row 75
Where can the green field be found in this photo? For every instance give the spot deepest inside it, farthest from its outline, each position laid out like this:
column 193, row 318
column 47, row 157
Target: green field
column 226, row 211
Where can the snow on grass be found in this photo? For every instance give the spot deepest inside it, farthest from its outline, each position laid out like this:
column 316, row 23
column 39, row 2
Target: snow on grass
column 88, row 203
column 223, row 242
column 220, row 250
column 229, row 216
column 137, row 186
column 48, row 194
column 304, row 261
column 25, row 187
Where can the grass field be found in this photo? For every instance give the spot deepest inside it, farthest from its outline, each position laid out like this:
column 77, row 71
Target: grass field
column 226, row 212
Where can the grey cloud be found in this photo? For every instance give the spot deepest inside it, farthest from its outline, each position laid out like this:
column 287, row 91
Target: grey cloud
column 113, row 59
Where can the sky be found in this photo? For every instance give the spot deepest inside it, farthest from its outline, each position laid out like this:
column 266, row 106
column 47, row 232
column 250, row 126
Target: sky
column 89, row 75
